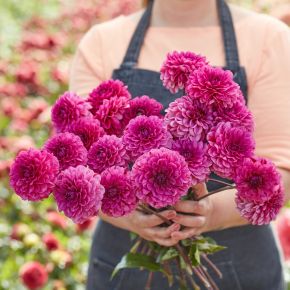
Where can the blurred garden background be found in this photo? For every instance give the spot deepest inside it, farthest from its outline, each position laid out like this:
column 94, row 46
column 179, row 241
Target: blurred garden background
column 37, row 41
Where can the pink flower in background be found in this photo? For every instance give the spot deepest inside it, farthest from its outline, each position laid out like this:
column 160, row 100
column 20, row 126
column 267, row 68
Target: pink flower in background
column 33, row 275
column 108, row 151
column 13, row 90
column 257, row 179
column 68, row 149
column 260, row 212
column 213, row 86
column 188, row 119
column 27, row 73
column 33, row 174
column 195, row 154
column 50, row 241
column 144, row 106
column 145, row 133
column 56, row 219
column 105, row 91
column 238, row 115
column 161, row 177
column 111, row 115
column 177, row 67
column 283, row 229
column 119, row 198
column 89, row 130
column 68, row 108
column 78, row 193
column 228, row 147
column 39, row 40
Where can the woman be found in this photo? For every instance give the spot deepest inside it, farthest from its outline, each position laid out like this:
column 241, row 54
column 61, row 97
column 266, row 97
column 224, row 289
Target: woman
column 132, row 49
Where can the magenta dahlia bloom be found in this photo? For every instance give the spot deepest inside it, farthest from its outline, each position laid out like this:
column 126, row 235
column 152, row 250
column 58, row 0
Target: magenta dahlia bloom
column 260, row 212
column 119, row 198
column 33, row 174
column 105, row 91
column 108, row 151
column 238, row 115
column 188, row 119
column 68, row 108
column 161, row 177
column 145, row 133
column 228, row 147
column 111, row 115
column 144, row 106
column 177, row 67
column 257, row 179
column 88, row 129
column 78, row 193
column 213, row 86
column 68, row 149
column 195, row 154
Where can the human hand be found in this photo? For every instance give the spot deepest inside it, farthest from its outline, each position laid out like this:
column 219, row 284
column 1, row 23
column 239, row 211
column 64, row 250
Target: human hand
column 148, row 227
column 194, row 216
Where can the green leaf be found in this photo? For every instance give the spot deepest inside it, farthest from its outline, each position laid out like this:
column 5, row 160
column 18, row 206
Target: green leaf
column 208, row 245
column 194, row 255
column 169, row 254
column 131, row 260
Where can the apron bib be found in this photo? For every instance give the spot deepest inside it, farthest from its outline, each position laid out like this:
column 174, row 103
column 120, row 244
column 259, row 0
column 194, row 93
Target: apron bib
column 251, row 260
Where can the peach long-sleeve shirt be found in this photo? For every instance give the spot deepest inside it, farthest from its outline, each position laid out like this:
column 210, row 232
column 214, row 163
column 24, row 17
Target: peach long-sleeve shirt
column 264, row 49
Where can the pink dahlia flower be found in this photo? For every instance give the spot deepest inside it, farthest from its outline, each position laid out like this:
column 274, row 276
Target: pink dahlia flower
column 108, row 151
column 68, row 149
column 78, row 193
column 228, row 147
column 260, row 212
column 177, row 67
column 105, row 91
column 119, row 198
column 188, row 119
column 89, row 130
column 144, row 106
column 50, row 241
column 145, row 133
column 33, row 275
column 111, row 115
column 67, row 109
column 257, row 179
column 283, row 229
column 213, row 86
column 195, row 154
column 238, row 115
column 33, row 173
column 161, row 177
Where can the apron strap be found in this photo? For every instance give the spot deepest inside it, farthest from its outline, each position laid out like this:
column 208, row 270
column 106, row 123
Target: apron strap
column 131, row 58
column 229, row 36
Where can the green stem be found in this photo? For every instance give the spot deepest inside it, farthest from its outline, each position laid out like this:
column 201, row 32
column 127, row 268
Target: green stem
column 221, row 182
column 212, row 265
column 149, row 281
column 214, row 192
column 151, row 211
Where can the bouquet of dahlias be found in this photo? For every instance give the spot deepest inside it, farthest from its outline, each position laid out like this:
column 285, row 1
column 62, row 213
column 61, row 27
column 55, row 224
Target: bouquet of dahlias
column 119, row 154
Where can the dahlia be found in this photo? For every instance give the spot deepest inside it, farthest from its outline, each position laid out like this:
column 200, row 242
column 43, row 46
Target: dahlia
column 213, row 86
column 50, row 241
column 89, row 130
column 105, row 91
column 33, row 173
column 119, row 198
column 78, row 193
column 161, row 177
column 257, row 179
column 67, row 109
column 144, row 106
column 106, row 152
column 195, row 154
column 145, row 133
column 33, row 275
column 111, row 115
column 228, row 147
column 188, row 119
column 177, row 67
column 68, row 149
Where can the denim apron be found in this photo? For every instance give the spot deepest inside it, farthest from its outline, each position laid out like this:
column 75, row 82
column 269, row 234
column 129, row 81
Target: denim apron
column 251, row 260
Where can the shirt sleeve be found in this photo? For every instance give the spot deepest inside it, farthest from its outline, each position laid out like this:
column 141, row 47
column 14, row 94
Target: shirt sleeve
column 86, row 70
column 269, row 98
